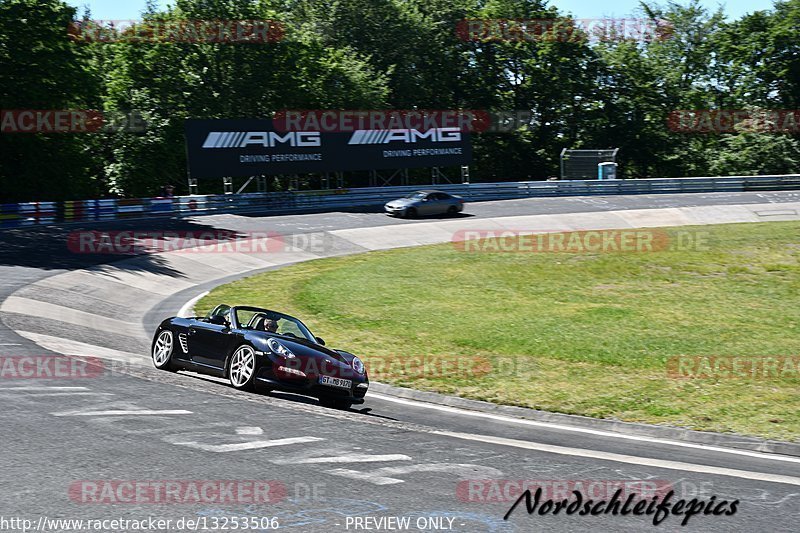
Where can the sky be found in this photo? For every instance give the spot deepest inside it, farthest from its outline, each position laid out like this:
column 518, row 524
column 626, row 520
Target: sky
column 131, row 9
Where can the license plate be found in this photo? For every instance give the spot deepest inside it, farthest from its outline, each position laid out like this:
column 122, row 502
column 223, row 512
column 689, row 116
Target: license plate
column 336, row 382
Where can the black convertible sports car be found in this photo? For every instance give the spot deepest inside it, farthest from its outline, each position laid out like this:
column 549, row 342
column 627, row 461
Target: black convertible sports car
column 254, row 347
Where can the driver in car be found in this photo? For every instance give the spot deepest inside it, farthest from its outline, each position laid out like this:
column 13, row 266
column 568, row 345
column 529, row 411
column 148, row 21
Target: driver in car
column 270, row 325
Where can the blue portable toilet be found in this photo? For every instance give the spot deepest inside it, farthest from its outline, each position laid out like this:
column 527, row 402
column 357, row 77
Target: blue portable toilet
column 607, row 171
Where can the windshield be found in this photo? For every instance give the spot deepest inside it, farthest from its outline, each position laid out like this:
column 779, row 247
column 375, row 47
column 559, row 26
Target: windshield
column 220, row 310
column 416, row 196
column 251, row 318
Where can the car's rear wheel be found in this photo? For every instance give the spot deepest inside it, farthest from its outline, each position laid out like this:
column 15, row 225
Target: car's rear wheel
column 335, row 403
column 163, row 348
column 452, row 210
column 242, row 369
column 411, row 213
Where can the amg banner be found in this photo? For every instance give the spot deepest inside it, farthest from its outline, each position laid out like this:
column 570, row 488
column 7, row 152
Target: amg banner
column 251, row 147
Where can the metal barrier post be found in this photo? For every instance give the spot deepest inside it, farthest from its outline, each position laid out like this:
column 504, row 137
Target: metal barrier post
column 437, row 175
column 243, row 187
column 227, row 184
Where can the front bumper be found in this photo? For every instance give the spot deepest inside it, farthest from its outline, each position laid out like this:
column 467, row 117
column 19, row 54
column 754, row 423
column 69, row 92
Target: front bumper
column 394, row 211
column 310, row 386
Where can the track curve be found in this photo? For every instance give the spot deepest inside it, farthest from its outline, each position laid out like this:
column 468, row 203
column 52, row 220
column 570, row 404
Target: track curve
column 107, row 309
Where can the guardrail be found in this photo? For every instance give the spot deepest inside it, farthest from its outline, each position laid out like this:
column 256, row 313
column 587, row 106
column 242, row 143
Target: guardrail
column 32, row 213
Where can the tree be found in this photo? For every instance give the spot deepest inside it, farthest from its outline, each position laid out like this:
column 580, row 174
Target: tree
column 219, row 80
column 756, row 153
column 43, row 69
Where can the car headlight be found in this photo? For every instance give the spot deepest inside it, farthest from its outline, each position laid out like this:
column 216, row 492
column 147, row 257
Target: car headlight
column 279, row 349
column 358, row 366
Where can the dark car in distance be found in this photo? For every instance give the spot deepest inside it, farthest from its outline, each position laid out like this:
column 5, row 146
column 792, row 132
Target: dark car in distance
column 259, row 348
column 425, row 203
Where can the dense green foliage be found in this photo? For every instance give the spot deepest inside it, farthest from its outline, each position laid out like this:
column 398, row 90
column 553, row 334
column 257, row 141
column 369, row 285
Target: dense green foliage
column 397, row 54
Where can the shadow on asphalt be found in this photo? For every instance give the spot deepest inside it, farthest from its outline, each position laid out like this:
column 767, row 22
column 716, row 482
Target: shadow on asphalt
column 371, row 209
column 295, row 398
column 443, row 216
column 60, row 247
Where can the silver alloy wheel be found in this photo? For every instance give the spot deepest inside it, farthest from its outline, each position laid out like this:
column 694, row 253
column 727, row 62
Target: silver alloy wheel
column 162, row 351
column 243, row 364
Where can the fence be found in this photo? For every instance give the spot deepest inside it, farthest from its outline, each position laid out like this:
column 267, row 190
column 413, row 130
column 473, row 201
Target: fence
column 582, row 164
column 32, row 213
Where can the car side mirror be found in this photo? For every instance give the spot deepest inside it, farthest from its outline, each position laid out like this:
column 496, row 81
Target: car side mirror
column 320, row 341
column 218, row 320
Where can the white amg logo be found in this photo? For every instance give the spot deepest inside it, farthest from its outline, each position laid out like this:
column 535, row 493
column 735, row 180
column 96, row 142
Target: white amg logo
column 406, row 136
column 265, row 139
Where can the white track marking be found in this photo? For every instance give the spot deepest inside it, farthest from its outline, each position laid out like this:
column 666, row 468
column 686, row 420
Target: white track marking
column 188, row 308
column 241, row 446
column 364, row 476
column 135, row 412
column 71, row 347
column 249, row 431
column 630, row 459
column 12, row 389
column 48, row 394
column 67, row 315
column 457, row 469
column 381, row 476
column 343, row 459
column 562, row 427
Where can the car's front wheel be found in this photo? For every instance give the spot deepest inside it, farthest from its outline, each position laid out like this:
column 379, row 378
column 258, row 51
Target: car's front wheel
column 411, row 213
column 163, row 348
column 242, row 369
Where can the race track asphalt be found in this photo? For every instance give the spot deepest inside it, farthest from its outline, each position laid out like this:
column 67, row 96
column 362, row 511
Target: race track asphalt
column 389, row 457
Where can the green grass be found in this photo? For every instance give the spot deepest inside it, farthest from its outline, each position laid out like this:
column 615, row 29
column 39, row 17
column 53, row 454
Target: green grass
column 587, row 333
